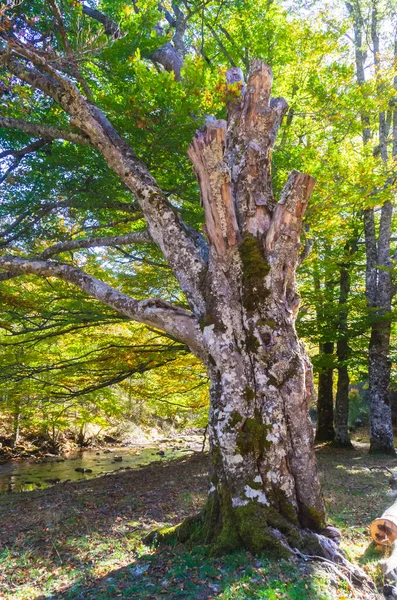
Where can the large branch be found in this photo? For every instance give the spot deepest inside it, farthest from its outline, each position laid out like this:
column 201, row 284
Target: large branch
column 111, row 28
column 47, row 132
column 114, row 240
column 165, row 226
column 176, row 322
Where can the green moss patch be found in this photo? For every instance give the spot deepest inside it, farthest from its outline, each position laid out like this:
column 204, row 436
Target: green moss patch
column 255, row 269
column 251, row 438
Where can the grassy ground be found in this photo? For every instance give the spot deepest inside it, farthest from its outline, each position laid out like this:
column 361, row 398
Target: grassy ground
column 82, row 540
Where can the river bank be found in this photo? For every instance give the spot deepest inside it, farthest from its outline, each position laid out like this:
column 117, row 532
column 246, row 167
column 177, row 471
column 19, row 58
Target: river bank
column 27, row 473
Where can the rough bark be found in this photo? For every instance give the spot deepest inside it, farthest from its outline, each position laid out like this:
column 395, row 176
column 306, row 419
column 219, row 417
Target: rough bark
column 381, row 430
column 342, row 437
column 264, row 476
column 325, row 431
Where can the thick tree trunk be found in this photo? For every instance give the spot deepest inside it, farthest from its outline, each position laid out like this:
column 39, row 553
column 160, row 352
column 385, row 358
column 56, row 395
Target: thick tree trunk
column 264, row 484
column 240, row 286
column 325, row 399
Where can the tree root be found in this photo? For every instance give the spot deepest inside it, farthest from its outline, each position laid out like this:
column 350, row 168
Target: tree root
column 332, row 555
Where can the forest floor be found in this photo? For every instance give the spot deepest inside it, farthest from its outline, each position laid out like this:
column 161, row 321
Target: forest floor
column 83, row 540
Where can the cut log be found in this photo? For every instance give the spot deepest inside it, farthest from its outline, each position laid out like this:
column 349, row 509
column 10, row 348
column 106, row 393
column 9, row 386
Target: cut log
column 384, row 529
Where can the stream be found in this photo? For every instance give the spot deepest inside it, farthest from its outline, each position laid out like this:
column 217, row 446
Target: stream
column 31, row 474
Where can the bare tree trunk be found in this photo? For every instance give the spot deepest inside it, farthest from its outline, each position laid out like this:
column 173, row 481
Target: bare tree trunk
column 379, row 288
column 381, row 430
column 325, row 398
column 342, row 437
column 16, row 423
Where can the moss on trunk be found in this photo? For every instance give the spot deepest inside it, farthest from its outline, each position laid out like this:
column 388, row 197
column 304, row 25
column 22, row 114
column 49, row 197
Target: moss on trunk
column 256, row 527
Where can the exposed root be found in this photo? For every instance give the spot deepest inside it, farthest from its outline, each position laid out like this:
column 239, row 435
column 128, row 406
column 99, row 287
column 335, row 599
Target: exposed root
column 332, row 555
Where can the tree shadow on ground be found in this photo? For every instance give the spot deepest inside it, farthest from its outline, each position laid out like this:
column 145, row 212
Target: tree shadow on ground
column 179, row 574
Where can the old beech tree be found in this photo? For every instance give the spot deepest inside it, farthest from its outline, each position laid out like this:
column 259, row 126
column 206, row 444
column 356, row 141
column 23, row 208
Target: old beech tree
column 238, row 277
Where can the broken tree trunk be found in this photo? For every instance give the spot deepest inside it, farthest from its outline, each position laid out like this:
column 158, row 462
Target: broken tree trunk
column 264, row 493
column 241, row 289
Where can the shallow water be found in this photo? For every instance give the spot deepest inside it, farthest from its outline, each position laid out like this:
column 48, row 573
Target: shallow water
column 31, row 474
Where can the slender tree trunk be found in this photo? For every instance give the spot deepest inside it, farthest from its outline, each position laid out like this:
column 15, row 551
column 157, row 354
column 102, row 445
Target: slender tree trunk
column 379, row 369
column 342, row 437
column 379, row 288
column 325, row 398
column 16, row 423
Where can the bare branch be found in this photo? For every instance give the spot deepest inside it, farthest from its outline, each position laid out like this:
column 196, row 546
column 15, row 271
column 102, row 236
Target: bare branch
column 71, row 63
column 23, row 151
column 114, row 240
column 18, row 155
column 47, row 132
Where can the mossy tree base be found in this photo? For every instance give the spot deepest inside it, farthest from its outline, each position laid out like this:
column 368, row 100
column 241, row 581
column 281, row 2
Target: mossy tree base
column 260, row 530
column 254, row 527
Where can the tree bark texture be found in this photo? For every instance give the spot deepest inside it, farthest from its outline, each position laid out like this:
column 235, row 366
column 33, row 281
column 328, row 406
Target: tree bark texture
column 325, row 431
column 264, row 476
